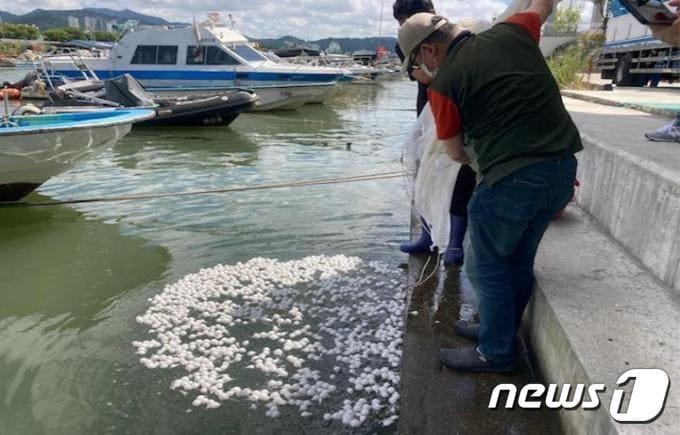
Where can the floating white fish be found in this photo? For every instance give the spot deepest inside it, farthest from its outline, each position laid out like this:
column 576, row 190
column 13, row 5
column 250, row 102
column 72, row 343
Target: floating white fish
column 289, row 322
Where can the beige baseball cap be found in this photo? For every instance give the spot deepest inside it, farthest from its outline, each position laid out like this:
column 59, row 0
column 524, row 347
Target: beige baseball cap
column 415, row 30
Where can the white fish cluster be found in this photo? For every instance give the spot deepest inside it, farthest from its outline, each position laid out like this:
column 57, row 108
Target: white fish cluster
column 320, row 330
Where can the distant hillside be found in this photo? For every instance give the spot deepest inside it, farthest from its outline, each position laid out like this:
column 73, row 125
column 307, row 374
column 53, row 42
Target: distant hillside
column 127, row 14
column 6, row 16
column 284, row 41
column 47, row 19
column 346, row 44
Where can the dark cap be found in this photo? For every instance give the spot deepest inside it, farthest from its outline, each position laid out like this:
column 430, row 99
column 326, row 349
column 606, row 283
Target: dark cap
column 406, row 8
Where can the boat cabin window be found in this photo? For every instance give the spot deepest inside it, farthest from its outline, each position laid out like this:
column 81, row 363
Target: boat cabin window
column 195, row 55
column 167, row 55
column 145, row 54
column 209, row 55
column 248, row 53
column 155, row 55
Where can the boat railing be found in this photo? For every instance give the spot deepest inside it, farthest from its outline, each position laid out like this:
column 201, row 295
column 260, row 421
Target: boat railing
column 42, row 68
column 70, row 88
column 6, row 119
column 81, row 96
column 85, row 71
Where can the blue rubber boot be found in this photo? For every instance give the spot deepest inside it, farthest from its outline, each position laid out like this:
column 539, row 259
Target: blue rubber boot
column 420, row 246
column 454, row 252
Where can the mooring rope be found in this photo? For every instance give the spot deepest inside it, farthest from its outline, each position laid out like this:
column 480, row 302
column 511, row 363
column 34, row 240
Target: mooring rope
column 316, row 182
column 284, row 119
column 421, row 278
column 317, row 121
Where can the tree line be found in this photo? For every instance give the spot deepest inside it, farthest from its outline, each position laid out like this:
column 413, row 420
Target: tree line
column 26, row 31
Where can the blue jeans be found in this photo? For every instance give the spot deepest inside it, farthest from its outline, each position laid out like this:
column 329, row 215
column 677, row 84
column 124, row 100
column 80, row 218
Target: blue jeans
column 506, row 224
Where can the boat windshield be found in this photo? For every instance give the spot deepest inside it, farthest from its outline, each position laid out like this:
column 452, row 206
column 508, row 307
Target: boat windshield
column 248, row 53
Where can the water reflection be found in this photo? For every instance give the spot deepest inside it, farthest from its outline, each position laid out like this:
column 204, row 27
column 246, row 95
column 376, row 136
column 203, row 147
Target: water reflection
column 354, row 96
column 13, row 74
column 75, row 285
column 311, row 125
column 311, row 115
column 63, row 275
column 57, row 262
column 178, row 147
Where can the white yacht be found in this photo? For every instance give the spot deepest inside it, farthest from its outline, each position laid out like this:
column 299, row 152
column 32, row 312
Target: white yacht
column 206, row 58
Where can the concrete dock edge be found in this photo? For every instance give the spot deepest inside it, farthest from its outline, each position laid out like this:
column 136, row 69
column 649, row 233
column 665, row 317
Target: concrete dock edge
column 609, row 102
column 597, row 313
column 637, row 202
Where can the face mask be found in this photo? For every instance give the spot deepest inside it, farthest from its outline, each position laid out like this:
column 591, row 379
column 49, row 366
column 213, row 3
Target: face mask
column 426, row 70
column 431, row 74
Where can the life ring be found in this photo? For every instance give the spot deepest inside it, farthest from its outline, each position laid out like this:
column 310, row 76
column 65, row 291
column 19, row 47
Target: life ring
column 12, row 93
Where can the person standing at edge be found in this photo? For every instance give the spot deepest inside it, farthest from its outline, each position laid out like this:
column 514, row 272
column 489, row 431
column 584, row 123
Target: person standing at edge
column 402, row 10
column 671, row 35
column 465, row 181
column 496, row 89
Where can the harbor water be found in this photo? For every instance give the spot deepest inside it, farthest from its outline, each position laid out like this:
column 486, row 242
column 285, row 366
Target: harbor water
column 12, row 75
column 76, row 277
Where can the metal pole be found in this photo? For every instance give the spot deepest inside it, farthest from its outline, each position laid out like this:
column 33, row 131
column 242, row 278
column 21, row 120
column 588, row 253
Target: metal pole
column 382, row 6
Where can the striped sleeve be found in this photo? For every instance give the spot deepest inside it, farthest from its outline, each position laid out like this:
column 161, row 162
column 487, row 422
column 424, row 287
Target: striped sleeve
column 446, row 115
column 530, row 21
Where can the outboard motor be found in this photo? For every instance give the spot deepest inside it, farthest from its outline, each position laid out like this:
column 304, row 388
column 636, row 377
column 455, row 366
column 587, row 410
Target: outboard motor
column 127, row 91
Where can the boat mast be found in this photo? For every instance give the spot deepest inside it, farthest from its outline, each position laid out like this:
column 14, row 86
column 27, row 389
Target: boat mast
column 382, row 7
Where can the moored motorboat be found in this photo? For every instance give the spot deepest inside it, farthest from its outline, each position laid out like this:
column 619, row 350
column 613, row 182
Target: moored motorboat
column 35, row 148
column 209, row 110
column 125, row 91
column 289, row 96
column 208, row 55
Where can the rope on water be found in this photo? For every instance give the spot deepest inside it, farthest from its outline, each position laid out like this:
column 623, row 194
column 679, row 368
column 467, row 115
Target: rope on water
column 421, row 279
column 284, row 119
column 336, row 124
column 317, row 182
column 334, row 141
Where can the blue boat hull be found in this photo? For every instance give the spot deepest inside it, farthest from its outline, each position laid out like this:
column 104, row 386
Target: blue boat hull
column 221, row 78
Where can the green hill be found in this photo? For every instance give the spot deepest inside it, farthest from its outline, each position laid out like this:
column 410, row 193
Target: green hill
column 348, row 45
column 6, row 16
column 49, row 19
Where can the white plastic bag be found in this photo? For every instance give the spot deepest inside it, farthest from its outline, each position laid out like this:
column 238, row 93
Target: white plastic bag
column 432, row 174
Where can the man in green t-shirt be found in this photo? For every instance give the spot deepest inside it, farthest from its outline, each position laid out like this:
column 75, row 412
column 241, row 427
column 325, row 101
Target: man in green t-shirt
column 494, row 93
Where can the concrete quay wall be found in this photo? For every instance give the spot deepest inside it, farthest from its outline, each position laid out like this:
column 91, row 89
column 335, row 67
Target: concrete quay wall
column 636, row 202
column 607, row 295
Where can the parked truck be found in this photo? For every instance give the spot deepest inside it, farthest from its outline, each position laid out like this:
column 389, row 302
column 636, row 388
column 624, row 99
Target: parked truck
column 632, row 56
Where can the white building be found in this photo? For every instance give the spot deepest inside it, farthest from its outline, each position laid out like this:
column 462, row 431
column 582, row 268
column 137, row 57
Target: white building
column 90, row 23
column 73, row 22
column 334, row 47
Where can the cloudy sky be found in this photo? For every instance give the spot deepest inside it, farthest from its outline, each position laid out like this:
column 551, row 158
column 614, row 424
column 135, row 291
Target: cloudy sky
column 307, row 19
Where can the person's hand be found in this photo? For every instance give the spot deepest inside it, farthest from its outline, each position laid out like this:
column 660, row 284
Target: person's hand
column 669, row 34
column 454, row 148
column 420, row 76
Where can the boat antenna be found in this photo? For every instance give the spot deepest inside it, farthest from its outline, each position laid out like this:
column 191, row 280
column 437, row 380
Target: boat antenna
column 232, row 21
column 382, row 7
column 197, row 32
